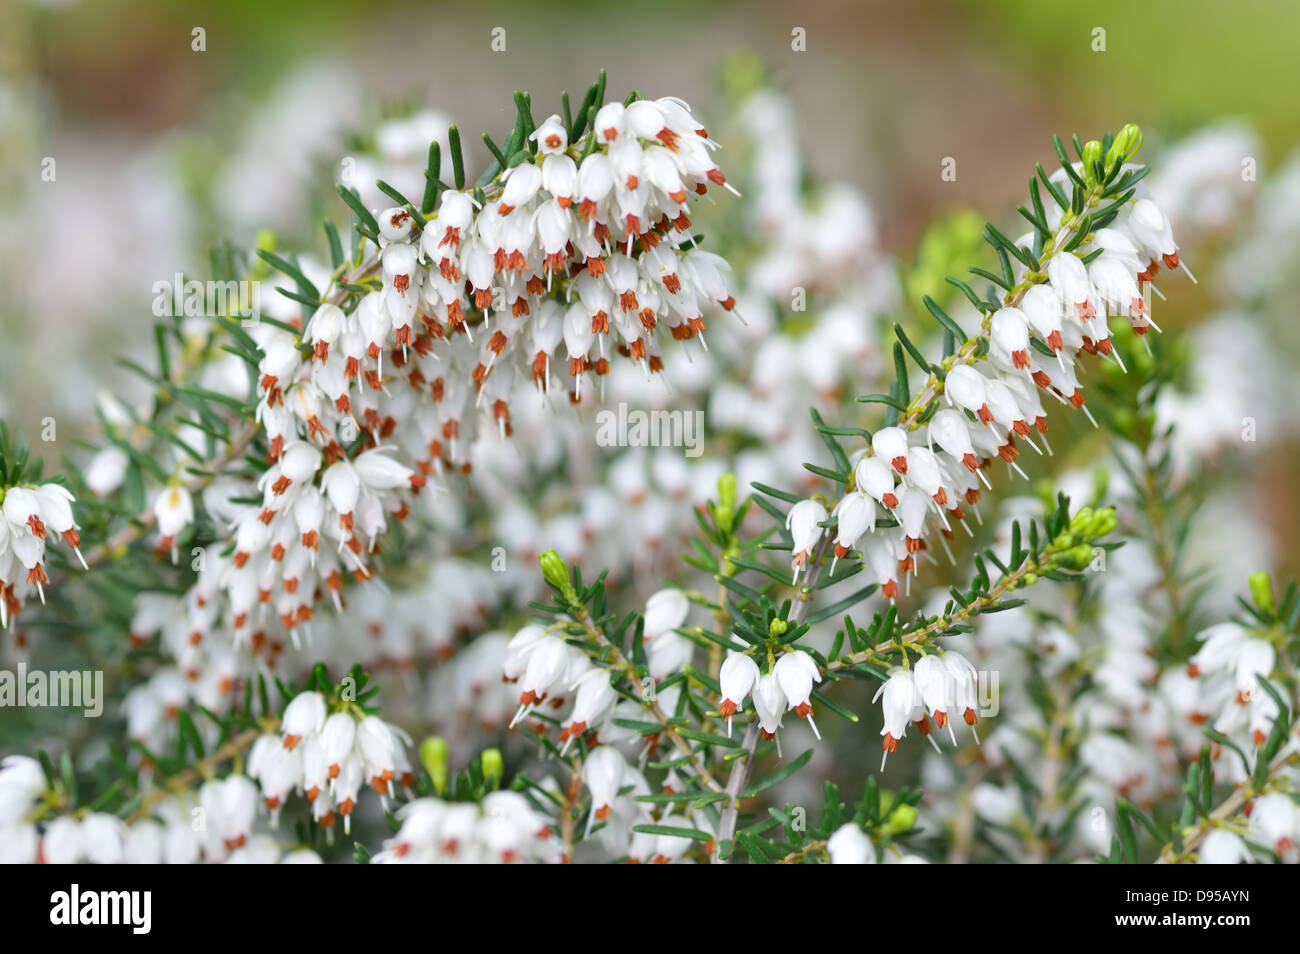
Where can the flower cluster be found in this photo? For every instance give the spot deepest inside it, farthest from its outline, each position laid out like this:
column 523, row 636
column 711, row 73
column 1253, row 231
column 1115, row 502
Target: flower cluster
column 941, row 686
column 30, row 518
column 505, row 828
column 548, row 669
column 329, row 758
column 787, row 687
column 922, row 474
column 214, row 826
column 426, row 343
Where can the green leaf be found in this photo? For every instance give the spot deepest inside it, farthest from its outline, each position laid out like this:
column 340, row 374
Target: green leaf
column 708, row 738
column 431, row 182
column 778, row 494
column 336, row 247
column 838, row 607
column 457, row 157
column 693, row 833
column 885, row 399
column 779, row 776
column 353, row 199
column 1127, row 838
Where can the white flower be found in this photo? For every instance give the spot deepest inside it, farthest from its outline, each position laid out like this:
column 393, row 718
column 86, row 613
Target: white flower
column 850, row 845
column 948, row 429
column 964, row 681
column 1151, row 228
column 1222, row 847
column 665, row 611
column 795, row 673
column 1069, row 278
column 106, row 470
column 1009, row 331
column 303, row 716
column 174, row 511
column 551, row 136
column 890, row 444
column 935, row 685
column 595, row 697
column 803, row 522
column 278, row 771
column 736, row 677
column 669, row 653
column 856, row 514
column 902, row 704
column 872, row 476
column 545, row 669
column 229, row 807
column 603, row 774
column 395, row 224
column 769, row 704
column 22, row 781
column 518, row 650
column 965, row 387
column 1220, row 647
column 337, row 737
column 1275, row 821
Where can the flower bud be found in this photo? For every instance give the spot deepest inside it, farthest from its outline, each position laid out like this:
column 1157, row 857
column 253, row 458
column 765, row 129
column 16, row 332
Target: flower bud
column 557, row 574
column 493, row 767
column 725, row 510
column 1091, row 156
column 901, row 819
column 1261, row 590
column 1126, row 142
column 433, row 756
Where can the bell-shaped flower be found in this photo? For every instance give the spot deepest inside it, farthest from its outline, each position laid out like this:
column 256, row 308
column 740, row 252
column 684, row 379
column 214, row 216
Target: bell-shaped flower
column 795, row 673
column 736, row 677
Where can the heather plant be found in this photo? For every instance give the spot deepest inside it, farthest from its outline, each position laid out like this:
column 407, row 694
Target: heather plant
column 406, row 557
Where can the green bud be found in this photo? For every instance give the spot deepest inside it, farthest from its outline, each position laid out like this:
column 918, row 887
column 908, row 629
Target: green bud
column 433, row 756
column 1081, row 556
column 1091, row 157
column 1104, row 522
column 1030, row 579
column 777, row 628
column 1127, row 142
column 725, row 510
column 557, row 574
column 493, row 767
column 901, row 819
column 1261, row 589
